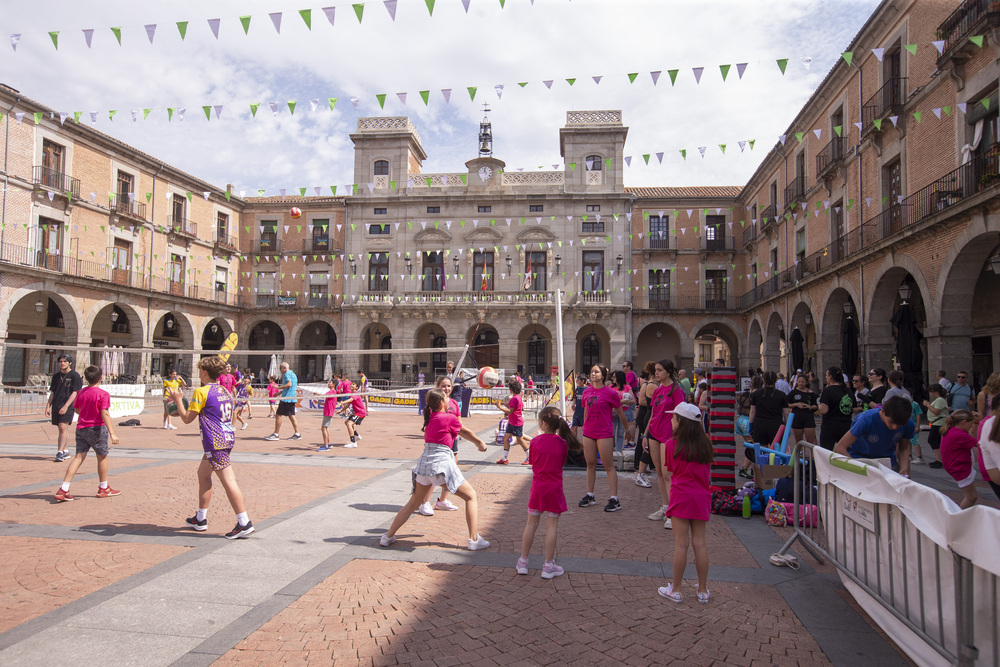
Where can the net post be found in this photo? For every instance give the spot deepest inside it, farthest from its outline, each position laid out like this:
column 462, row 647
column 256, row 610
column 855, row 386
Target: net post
column 562, row 362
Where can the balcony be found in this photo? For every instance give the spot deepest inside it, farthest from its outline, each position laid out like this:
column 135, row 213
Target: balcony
column 226, row 243
column 973, row 17
column 721, row 243
column 267, row 301
column 593, row 227
column 56, row 180
column 375, row 296
column 659, row 297
column 595, row 296
column 749, row 234
column 266, row 246
column 888, row 101
column 177, row 288
column 658, row 240
column 831, row 157
column 126, row 206
column 768, row 216
column 317, row 300
column 182, row 227
column 795, row 191
column 317, row 246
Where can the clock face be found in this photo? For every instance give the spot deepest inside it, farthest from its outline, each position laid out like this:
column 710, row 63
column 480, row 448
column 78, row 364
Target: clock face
column 485, row 172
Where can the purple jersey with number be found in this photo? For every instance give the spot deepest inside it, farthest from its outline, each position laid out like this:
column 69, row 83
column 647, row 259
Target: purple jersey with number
column 214, row 406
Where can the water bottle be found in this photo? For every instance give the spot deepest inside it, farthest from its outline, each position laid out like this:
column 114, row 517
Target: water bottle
column 746, row 506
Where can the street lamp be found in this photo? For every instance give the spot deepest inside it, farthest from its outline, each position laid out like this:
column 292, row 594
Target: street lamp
column 848, row 308
column 409, row 266
column 169, row 323
column 995, row 264
column 354, row 267
column 558, row 263
column 317, row 330
column 215, row 328
column 509, row 262
column 265, row 330
column 809, row 319
column 39, row 307
column 620, row 260
column 904, row 292
column 114, row 315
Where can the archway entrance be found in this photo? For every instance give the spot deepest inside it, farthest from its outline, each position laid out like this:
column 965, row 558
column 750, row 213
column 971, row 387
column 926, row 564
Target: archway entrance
column 317, row 335
column 485, row 348
column 265, row 335
column 657, row 341
column 36, row 318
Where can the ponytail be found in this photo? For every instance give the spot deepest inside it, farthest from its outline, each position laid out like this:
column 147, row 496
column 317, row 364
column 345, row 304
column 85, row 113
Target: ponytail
column 956, row 418
column 553, row 419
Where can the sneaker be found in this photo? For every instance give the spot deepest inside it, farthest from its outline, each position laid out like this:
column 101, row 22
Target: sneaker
column 704, row 597
column 522, row 566
column 273, row 436
column 445, row 505
column 426, row 509
column 240, row 531
column 357, row 435
column 658, row 515
column 668, row 524
column 166, row 427
column 551, row 570
column 668, row 592
column 385, row 540
column 107, row 492
column 194, row 523
column 324, row 448
column 478, row 544
column 917, row 460
column 351, row 445
column 295, row 436
column 60, row 457
column 935, row 464
column 588, row 500
column 744, row 473
column 640, row 480
column 502, row 462
column 244, row 427
column 613, row 505
column 63, row 496
column 172, row 427
column 526, row 462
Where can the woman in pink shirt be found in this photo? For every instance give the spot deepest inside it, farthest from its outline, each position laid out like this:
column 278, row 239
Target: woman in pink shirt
column 957, row 444
column 599, row 401
column 667, row 396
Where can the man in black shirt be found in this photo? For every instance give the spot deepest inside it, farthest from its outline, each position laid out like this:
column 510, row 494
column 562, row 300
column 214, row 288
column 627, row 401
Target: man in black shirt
column 62, row 392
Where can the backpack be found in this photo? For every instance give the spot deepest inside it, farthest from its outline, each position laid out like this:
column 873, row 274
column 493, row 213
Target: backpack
column 775, row 514
column 724, row 503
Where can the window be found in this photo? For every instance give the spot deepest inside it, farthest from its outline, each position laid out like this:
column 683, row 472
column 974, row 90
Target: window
column 320, row 235
column 753, row 212
column 485, row 209
column 592, row 226
column 269, row 235
column 593, row 208
column 593, row 270
column 50, row 235
column 659, row 232
column 800, row 244
column 121, row 262
column 433, row 271
column 177, row 212
column 535, row 271
column 319, row 293
column 774, row 193
column 378, row 229
column 892, row 187
column 176, row 274
column 590, row 352
column 715, row 290
column 433, row 209
column 222, row 227
column 381, row 168
column 715, row 232
column 265, row 289
column 221, row 279
column 659, row 288
column 381, row 211
column 126, row 185
column 52, row 164
column 536, row 356
column 482, row 271
column 378, row 272
column 753, row 275
column 594, row 163
column 536, row 208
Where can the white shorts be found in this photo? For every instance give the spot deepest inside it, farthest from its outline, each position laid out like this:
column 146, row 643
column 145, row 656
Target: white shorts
column 432, row 480
column 532, row 512
column 968, row 481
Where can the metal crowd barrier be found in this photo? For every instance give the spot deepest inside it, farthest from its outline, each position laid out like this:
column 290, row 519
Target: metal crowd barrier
column 931, row 590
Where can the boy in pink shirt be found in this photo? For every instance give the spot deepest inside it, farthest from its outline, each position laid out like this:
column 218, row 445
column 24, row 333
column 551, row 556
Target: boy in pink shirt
column 356, row 411
column 92, row 431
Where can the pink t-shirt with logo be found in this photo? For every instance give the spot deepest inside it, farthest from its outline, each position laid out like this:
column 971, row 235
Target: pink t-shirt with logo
column 598, row 404
column 358, row 406
column 330, row 404
column 228, row 381
column 516, row 405
column 88, row 405
column 442, row 429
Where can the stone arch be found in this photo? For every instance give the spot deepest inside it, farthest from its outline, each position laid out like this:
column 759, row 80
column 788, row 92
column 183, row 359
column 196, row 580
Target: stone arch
column 535, row 348
column 21, row 322
column 755, row 342
column 729, row 332
column 774, row 344
column 831, row 328
column 801, row 312
column 251, row 323
column 73, row 316
column 103, row 308
column 181, row 319
column 657, row 341
column 593, row 344
column 885, row 300
column 210, row 341
column 300, row 327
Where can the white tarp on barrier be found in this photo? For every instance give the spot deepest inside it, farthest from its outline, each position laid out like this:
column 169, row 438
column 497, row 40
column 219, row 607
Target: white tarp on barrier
column 866, row 535
column 127, row 400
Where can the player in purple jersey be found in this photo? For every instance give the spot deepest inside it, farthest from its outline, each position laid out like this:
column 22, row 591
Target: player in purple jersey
column 213, row 406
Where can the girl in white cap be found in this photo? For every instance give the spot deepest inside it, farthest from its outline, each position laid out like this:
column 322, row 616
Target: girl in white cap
column 688, row 456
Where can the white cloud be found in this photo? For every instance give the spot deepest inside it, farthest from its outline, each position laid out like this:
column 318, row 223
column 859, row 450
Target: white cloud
column 554, row 39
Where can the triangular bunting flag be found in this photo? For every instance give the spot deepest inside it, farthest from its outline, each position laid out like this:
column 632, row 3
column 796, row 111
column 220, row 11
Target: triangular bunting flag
column 697, row 73
column 740, row 68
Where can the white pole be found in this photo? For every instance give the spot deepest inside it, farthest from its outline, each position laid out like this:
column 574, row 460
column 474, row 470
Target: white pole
column 559, row 344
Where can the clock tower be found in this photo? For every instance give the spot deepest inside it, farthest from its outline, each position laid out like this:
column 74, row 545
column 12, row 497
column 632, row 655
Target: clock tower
column 484, row 170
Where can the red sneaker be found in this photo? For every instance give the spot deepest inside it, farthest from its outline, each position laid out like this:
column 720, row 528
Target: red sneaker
column 502, row 462
column 525, row 462
column 107, row 492
column 63, row 496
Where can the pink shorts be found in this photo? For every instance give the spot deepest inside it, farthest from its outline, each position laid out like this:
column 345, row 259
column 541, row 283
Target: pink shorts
column 532, row 512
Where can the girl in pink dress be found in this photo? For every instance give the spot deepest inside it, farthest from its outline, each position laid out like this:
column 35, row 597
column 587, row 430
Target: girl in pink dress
column 599, row 401
column 547, row 455
column 688, row 455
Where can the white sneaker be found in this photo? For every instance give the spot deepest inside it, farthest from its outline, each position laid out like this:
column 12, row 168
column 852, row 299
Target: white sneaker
column 385, row 540
column 426, row 509
column 166, row 426
column 478, row 544
column 668, row 525
column 658, row 515
column 172, row 427
column 295, row 436
column 640, row 480
column 917, row 460
column 445, row 505
column 273, row 436
column 351, row 445
column 244, row 427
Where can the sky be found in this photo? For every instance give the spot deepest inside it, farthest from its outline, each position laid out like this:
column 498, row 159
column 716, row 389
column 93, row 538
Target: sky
column 487, row 46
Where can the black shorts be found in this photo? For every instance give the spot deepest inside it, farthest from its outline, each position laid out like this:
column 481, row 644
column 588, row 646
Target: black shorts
column 354, row 419
column 62, row 419
column 577, row 418
column 516, row 431
column 285, row 408
column 934, row 439
column 92, row 437
column 807, row 420
column 832, row 432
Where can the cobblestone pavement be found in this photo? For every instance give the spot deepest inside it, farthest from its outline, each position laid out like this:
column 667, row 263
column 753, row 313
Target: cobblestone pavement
column 120, row 580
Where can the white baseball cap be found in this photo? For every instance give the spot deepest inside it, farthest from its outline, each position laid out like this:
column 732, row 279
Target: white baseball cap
column 688, row 411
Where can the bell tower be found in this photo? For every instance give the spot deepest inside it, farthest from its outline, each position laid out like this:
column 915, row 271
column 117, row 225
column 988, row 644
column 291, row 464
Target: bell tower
column 485, row 134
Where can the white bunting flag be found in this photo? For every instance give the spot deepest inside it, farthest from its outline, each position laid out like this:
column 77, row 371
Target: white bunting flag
column 214, row 25
column 150, row 31
column 330, row 13
column 276, row 20
column 88, row 36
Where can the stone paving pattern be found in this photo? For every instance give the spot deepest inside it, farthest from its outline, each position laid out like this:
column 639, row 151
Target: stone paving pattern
column 88, row 580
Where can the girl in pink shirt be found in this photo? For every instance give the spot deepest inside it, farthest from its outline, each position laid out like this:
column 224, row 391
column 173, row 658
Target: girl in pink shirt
column 437, row 466
column 660, row 429
column 444, row 384
column 548, row 456
column 329, row 411
column 356, row 411
column 515, row 422
column 688, row 454
column 599, row 401
column 273, row 391
column 957, row 444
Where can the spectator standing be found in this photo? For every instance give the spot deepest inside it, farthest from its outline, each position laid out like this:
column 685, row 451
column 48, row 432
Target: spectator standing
column 63, row 388
column 944, row 381
column 960, row 396
column 782, row 384
column 286, row 404
column 684, row 382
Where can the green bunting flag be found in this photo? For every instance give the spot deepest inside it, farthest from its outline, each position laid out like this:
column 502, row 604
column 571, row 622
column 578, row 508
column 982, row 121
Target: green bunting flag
column 111, row 114
column 55, row 39
column 723, row 147
column 76, row 116
column 170, row 114
column 359, row 10
column 878, row 124
column 118, row 35
column 572, row 166
column 38, row 117
column 917, row 114
column 425, row 95
column 571, row 81
column 189, row 195
column 947, row 110
column 912, row 48
column 985, row 102
column 245, row 20
column 430, row 7
column 839, row 129
column 799, row 135
column 333, row 102
column 291, row 107
column 381, row 100
column 975, row 39
column 472, row 92
column 782, row 64
column 751, row 142
column 631, row 77
column 848, row 56
column 227, row 194
column 523, row 84
column 333, row 189
column 645, row 157
column 182, row 28
column 208, row 112
column 302, row 192
column 306, row 15
column 253, row 109
column 725, row 71
column 145, row 113
column 684, row 154
column 673, row 75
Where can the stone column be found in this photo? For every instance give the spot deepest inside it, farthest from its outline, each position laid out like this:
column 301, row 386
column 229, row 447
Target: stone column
column 950, row 348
